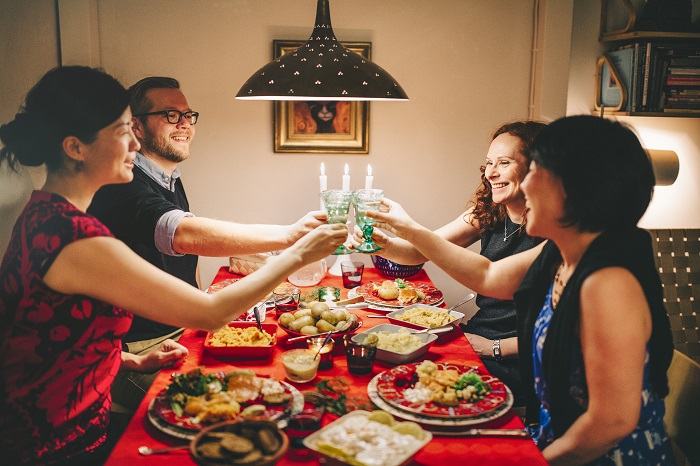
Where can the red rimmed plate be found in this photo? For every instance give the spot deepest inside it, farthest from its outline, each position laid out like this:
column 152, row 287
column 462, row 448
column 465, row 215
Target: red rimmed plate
column 367, row 291
column 214, row 287
column 165, row 420
column 392, row 384
column 248, row 316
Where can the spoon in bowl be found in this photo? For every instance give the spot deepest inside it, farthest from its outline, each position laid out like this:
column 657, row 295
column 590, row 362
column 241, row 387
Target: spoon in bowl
column 469, row 297
column 325, row 342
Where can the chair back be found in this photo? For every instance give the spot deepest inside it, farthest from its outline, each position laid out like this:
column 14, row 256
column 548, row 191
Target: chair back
column 683, row 409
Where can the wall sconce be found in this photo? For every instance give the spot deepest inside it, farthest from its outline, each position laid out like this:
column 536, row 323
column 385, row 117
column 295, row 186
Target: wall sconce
column 665, row 164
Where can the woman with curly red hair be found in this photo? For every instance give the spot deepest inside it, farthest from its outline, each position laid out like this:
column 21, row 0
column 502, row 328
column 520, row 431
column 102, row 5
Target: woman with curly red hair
column 496, row 216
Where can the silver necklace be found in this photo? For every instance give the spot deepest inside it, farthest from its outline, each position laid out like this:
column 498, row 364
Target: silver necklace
column 505, row 230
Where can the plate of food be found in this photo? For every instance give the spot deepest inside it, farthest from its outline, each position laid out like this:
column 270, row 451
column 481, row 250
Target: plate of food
column 419, row 317
column 196, row 400
column 242, row 340
column 398, row 293
column 396, row 344
column 318, row 319
column 441, row 390
column 442, row 426
column 363, row 437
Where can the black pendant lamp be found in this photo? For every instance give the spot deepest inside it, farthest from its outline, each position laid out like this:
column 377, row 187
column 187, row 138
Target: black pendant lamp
column 321, row 69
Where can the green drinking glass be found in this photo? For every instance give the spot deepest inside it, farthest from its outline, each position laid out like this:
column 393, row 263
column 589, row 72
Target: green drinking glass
column 364, row 200
column 337, row 206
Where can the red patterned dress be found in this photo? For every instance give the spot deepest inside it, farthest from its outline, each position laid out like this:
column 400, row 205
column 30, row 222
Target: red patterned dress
column 58, row 353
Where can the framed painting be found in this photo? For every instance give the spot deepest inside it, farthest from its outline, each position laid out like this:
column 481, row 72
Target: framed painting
column 322, row 127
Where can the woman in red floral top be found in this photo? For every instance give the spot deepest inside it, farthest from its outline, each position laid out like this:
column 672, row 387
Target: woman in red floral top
column 66, row 282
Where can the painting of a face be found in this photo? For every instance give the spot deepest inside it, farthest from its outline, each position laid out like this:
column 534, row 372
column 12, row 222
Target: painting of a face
column 319, row 117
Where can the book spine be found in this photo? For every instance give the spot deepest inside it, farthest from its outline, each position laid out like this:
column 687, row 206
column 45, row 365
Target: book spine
column 647, row 65
column 635, row 79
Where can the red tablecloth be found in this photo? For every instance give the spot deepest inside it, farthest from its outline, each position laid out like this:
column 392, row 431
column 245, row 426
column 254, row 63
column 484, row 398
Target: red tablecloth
column 452, row 347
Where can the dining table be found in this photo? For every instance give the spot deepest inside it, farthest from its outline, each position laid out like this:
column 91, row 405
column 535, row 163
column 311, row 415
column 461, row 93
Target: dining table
column 444, row 448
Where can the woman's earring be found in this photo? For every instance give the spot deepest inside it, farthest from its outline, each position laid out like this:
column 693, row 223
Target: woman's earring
column 79, row 166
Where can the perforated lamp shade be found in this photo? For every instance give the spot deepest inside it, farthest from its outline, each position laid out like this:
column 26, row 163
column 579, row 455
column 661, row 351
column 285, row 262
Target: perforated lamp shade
column 321, row 69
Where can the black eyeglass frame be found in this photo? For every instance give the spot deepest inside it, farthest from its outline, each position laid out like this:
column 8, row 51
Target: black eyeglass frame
column 194, row 116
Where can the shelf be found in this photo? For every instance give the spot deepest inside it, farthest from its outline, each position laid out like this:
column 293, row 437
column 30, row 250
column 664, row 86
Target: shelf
column 650, row 35
column 688, row 114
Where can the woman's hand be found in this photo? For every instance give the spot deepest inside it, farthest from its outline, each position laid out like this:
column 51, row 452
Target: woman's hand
column 482, row 346
column 378, row 237
column 393, row 218
column 168, row 354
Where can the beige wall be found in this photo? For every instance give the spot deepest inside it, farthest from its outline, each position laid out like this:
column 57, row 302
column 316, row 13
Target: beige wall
column 466, row 65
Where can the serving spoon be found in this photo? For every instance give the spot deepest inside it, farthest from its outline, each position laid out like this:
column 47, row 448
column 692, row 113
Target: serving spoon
column 145, row 451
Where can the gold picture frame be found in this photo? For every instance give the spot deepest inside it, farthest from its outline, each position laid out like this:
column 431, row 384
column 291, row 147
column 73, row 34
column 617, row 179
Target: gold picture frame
column 297, row 131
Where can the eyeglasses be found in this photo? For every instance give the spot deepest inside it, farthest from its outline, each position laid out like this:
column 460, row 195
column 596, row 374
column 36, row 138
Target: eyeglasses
column 174, row 116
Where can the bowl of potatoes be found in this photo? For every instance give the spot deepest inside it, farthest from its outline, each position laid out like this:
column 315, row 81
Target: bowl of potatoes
column 318, row 318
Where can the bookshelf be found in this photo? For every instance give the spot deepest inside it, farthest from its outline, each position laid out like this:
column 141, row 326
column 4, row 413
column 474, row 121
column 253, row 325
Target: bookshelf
column 660, row 71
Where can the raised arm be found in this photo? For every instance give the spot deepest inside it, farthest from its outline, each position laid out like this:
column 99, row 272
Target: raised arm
column 459, row 231
column 106, row 269
column 217, row 238
column 496, row 279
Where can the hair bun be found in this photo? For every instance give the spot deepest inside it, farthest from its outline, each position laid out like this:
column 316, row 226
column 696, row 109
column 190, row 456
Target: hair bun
column 21, row 138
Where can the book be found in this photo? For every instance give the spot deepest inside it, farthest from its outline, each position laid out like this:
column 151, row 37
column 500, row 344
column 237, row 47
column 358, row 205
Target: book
column 611, row 90
column 647, row 66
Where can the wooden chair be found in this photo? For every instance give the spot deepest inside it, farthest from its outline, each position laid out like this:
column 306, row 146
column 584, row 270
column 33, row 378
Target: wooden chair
column 683, row 409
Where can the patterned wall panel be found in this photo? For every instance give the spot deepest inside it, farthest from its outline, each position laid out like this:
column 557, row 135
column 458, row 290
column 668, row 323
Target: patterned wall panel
column 678, row 259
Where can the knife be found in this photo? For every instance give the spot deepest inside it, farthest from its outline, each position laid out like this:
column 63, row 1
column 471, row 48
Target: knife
column 497, row 433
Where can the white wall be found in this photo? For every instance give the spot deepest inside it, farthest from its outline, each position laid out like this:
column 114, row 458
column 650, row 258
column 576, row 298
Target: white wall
column 465, row 64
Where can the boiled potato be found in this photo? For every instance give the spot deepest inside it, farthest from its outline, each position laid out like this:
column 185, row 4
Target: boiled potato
column 329, row 317
column 309, row 330
column 302, row 313
column 303, row 321
column 325, row 326
column 286, row 319
column 343, row 325
column 319, row 308
column 341, row 314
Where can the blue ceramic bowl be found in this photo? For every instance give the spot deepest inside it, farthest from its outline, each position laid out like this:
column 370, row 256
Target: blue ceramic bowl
column 391, row 269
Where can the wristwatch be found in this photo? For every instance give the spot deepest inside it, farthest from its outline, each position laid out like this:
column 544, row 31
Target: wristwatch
column 497, row 349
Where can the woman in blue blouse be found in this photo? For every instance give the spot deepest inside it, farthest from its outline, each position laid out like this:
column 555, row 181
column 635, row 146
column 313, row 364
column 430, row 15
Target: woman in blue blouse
column 593, row 335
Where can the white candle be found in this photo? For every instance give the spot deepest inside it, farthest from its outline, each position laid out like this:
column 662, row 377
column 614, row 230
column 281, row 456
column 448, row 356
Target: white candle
column 323, row 180
column 369, row 178
column 346, row 178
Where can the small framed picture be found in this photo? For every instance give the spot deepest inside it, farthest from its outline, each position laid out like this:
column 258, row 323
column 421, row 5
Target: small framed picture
column 322, row 127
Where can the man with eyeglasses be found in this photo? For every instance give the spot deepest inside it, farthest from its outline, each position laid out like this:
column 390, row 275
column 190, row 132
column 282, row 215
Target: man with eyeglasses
column 152, row 216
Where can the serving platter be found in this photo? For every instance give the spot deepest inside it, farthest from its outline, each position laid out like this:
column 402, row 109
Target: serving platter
column 392, row 384
column 433, row 296
column 162, row 417
column 446, row 427
column 242, row 352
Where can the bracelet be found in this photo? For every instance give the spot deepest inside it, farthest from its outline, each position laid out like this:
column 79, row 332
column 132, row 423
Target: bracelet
column 497, row 349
